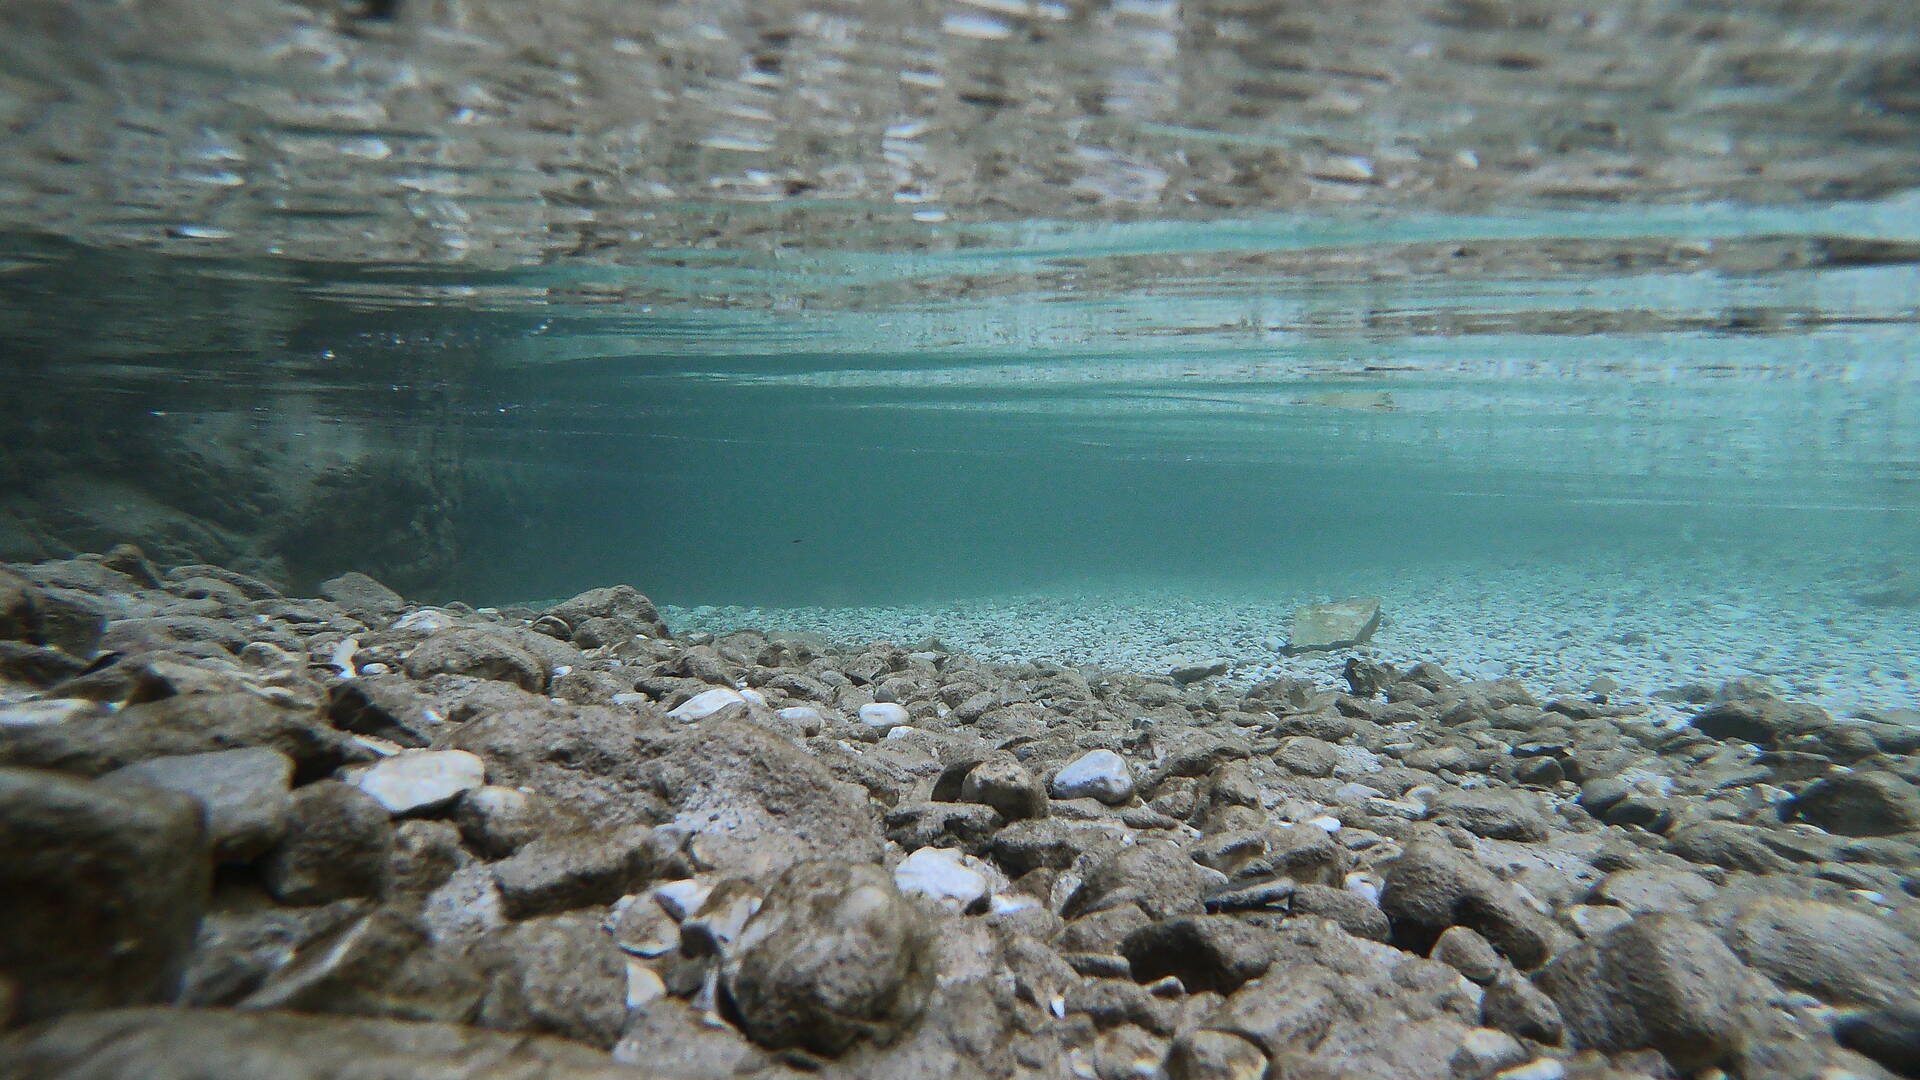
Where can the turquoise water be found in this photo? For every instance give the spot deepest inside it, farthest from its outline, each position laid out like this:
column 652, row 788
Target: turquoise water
column 1264, row 401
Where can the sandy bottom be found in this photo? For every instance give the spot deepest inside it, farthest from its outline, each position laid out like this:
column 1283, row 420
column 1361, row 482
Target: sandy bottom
column 1556, row 627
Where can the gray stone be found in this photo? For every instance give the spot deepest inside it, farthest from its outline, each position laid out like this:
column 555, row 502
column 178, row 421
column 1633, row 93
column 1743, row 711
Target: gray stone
column 1864, row 803
column 1097, row 774
column 1521, row 1009
column 1728, row 844
column 585, row 758
column 498, row 821
column 1837, row 954
column 1205, row 952
column 943, row 875
column 1335, row 625
column 246, row 794
column 362, row 596
column 221, row 1044
column 1352, row 912
column 101, row 889
column 95, row 743
column 1497, row 815
column 1765, row 721
column 382, row 964
column 1007, row 786
column 749, row 801
column 415, row 781
column 1660, row 982
column 574, row 870
column 624, row 606
column 1215, row 1055
column 463, row 650
column 942, row 824
column 339, row 844
column 1431, row 887
column 1467, row 952
column 557, row 975
column 834, row 955
column 1653, row 892
column 52, row 618
column 1193, row 673
column 1155, row 874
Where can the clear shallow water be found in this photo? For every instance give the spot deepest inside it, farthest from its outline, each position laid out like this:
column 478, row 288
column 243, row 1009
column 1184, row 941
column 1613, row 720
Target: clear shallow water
column 832, row 311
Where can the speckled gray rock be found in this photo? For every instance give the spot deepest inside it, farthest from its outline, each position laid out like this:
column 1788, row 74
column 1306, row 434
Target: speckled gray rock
column 750, row 801
column 559, row 975
column 1097, row 774
column 94, row 743
column 339, row 843
column 101, row 889
column 1660, row 982
column 246, row 793
column 1007, row 786
column 1155, row 874
column 1838, row 954
column 834, row 955
column 574, row 870
column 463, row 650
column 1865, row 803
column 1431, row 887
column 622, row 604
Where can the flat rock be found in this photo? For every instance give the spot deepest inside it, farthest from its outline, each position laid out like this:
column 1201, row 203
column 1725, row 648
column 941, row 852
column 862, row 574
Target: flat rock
column 95, row 743
column 220, row 1044
column 943, row 875
column 750, row 801
column 1336, row 625
column 585, row 758
column 246, row 793
column 623, row 605
column 414, row 781
column 479, row 653
column 380, row 964
column 574, row 870
column 101, row 890
column 1838, row 954
column 362, row 596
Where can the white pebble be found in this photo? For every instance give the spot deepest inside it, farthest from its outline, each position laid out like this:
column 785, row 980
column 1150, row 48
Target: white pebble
column 943, row 874
column 706, row 703
column 421, row 779
column 1099, row 774
column 882, row 715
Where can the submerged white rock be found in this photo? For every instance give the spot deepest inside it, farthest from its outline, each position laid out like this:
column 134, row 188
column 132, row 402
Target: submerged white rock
column 421, row 779
column 883, row 715
column 706, row 703
column 943, row 874
column 1098, row 774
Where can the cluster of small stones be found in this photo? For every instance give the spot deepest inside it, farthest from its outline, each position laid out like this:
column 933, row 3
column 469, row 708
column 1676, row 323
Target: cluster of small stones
column 243, row 834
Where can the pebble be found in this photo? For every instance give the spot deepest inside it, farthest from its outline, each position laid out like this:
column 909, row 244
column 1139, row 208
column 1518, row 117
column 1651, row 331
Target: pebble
column 1098, row 774
column 706, row 703
column 417, row 780
column 883, row 715
column 942, row 874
